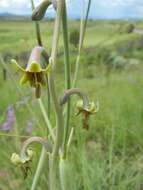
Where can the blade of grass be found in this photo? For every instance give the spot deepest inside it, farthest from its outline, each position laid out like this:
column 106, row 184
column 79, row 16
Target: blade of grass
column 81, row 40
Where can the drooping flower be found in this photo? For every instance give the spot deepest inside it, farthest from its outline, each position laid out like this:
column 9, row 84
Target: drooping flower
column 34, row 73
column 86, row 111
column 90, row 109
column 17, row 160
column 24, row 163
column 26, row 155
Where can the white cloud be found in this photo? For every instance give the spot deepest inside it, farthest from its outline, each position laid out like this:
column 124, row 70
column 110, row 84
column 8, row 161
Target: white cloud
column 99, row 8
column 121, row 2
column 16, row 6
column 4, row 3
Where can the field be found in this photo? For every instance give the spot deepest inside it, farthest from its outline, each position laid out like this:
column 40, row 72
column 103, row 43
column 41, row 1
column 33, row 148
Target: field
column 109, row 155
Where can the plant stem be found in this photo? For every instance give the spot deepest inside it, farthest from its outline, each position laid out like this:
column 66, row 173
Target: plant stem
column 67, row 74
column 58, row 109
column 44, row 142
column 46, row 118
column 43, row 152
column 39, row 41
column 38, row 32
column 81, row 39
column 17, row 139
column 39, row 169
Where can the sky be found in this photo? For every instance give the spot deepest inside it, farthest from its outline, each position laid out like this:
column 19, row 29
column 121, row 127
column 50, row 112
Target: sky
column 104, row 9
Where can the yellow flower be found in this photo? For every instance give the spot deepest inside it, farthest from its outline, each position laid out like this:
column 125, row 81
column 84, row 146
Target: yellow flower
column 90, row 109
column 24, row 163
column 34, row 73
column 86, row 111
column 17, row 160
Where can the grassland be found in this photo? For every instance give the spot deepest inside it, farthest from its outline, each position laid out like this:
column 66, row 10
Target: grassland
column 109, row 155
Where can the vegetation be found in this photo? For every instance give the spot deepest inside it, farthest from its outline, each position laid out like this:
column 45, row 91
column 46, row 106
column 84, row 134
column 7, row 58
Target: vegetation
column 74, row 38
column 109, row 155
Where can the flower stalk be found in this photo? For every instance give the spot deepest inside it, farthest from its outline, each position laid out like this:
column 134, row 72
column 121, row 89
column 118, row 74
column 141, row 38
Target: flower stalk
column 37, row 26
column 40, row 140
column 67, row 74
column 40, row 10
column 72, row 91
column 43, row 155
column 53, row 161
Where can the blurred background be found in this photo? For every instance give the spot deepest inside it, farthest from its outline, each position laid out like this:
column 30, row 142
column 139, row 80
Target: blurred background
column 109, row 155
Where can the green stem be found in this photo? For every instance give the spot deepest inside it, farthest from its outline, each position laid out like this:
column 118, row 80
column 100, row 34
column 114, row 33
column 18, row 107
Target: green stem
column 81, row 39
column 39, row 41
column 58, row 109
column 72, row 91
column 17, row 139
column 67, row 74
column 39, row 169
column 46, row 118
column 38, row 32
column 44, row 142
column 43, row 152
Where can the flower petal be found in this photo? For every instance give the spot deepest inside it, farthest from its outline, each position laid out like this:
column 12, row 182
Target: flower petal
column 47, row 69
column 18, row 67
column 34, row 67
column 24, row 79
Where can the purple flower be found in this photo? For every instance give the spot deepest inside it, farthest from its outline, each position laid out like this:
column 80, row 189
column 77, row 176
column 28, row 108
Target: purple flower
column 10, row 115
column 10, row 120
column 6, row 126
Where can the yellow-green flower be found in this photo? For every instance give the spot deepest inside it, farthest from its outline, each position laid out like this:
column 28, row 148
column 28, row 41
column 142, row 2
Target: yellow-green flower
column 24, row 163
column 17, row 160
column 90, row 109
column 86, row 111
column 34, row 73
